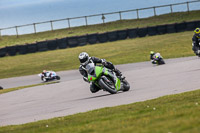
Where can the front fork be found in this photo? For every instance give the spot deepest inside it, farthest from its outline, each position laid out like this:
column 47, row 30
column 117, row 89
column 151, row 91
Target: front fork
column 114, row 78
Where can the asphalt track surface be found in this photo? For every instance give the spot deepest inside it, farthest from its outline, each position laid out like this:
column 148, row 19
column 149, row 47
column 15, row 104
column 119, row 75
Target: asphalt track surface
column 72, row 95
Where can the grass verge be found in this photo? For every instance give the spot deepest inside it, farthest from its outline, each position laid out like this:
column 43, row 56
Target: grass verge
column 169, row 114
column 22, row 87
column 117, row 25
column 119, row 52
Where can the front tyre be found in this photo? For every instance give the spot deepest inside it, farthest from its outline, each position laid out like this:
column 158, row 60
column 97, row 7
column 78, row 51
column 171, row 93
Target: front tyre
column 107, row 87
column 1, row 88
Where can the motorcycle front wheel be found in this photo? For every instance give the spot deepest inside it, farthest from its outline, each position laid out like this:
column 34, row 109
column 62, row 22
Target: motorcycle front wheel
column 108, row 86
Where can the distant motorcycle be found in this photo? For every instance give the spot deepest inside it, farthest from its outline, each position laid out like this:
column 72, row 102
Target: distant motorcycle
column 48, row 76
column 1, row 88
column 106, row 79
column 197, row 52
column 158, row 59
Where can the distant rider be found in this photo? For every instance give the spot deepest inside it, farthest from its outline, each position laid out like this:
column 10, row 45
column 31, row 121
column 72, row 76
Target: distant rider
column 85, row 59
column 196, row 41
column 154, row 57
column 47, row 74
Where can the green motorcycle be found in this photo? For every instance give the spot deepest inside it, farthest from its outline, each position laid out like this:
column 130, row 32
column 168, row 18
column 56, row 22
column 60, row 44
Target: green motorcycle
column 106, row 79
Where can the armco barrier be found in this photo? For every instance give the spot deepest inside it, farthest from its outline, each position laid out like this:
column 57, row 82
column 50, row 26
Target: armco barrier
column 171, row 28
column 3, row 52
column 92, row 38
column 197, row 23
column 112, row 36
column 82, row 40
column 180, row 27
column 62, row 43
column 102, row 37
column 190, row 26
column 42, row 46
column 122, row 34
column 12, row 50
column 132, row 33
column 161, row 29
column 52, row 44
column 142, row 32
column 22, row 49
column 72, row 41
column 152, row 30
column 32, row 48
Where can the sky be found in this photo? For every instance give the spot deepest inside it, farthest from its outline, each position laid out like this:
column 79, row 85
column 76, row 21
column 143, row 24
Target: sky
column 20, row 12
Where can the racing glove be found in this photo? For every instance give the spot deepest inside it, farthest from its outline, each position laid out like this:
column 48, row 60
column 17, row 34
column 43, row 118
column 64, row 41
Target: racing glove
column 86, row 79
column 103, row 61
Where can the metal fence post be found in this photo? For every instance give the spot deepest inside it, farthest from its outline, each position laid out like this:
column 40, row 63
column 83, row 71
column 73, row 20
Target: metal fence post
column 171, row 8
column 154, row 9
column 103, row 18
column 68, row 22
column 120, row 15
column 34, row 27
column 86, row 23
column 51, row 25
column 188, row 8
column 16, row 31
column 137, row 14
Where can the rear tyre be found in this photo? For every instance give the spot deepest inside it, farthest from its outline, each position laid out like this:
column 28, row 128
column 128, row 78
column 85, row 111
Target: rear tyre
column 126, row 85
column 58, row 77
column 161, row 62
column 107, row 87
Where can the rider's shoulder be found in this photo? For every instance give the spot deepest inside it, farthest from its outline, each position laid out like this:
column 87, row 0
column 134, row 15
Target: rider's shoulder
column 81, row 67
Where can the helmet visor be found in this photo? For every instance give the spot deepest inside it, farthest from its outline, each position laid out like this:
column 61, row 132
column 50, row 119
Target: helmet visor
column 83, row 60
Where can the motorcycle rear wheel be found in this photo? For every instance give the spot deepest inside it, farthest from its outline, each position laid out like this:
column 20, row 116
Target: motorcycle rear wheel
column 161, row 62
column 126, row 85
column 58, row 77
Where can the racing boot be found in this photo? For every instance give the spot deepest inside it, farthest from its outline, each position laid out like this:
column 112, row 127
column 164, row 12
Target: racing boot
column 119, row 74
column 94, row 88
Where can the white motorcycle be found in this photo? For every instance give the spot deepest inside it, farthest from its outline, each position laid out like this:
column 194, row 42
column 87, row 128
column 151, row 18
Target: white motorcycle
column 158, row 59
column 48, row 76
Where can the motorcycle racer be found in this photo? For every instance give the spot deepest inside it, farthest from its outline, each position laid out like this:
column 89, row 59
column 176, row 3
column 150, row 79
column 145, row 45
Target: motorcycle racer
column 196, row 41
column 155, row 57
column 48, row 74
column 85, row 59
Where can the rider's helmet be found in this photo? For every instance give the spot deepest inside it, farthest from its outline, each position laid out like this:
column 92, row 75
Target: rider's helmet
column 197, row 32
column 44, row 71
column 152, row 53
column 83, row 58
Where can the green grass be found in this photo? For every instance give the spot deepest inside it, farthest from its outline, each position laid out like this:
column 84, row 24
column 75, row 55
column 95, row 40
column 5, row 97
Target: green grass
column 22, row 87
column 169, row 114
column 111, row 26
column 119, row 52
